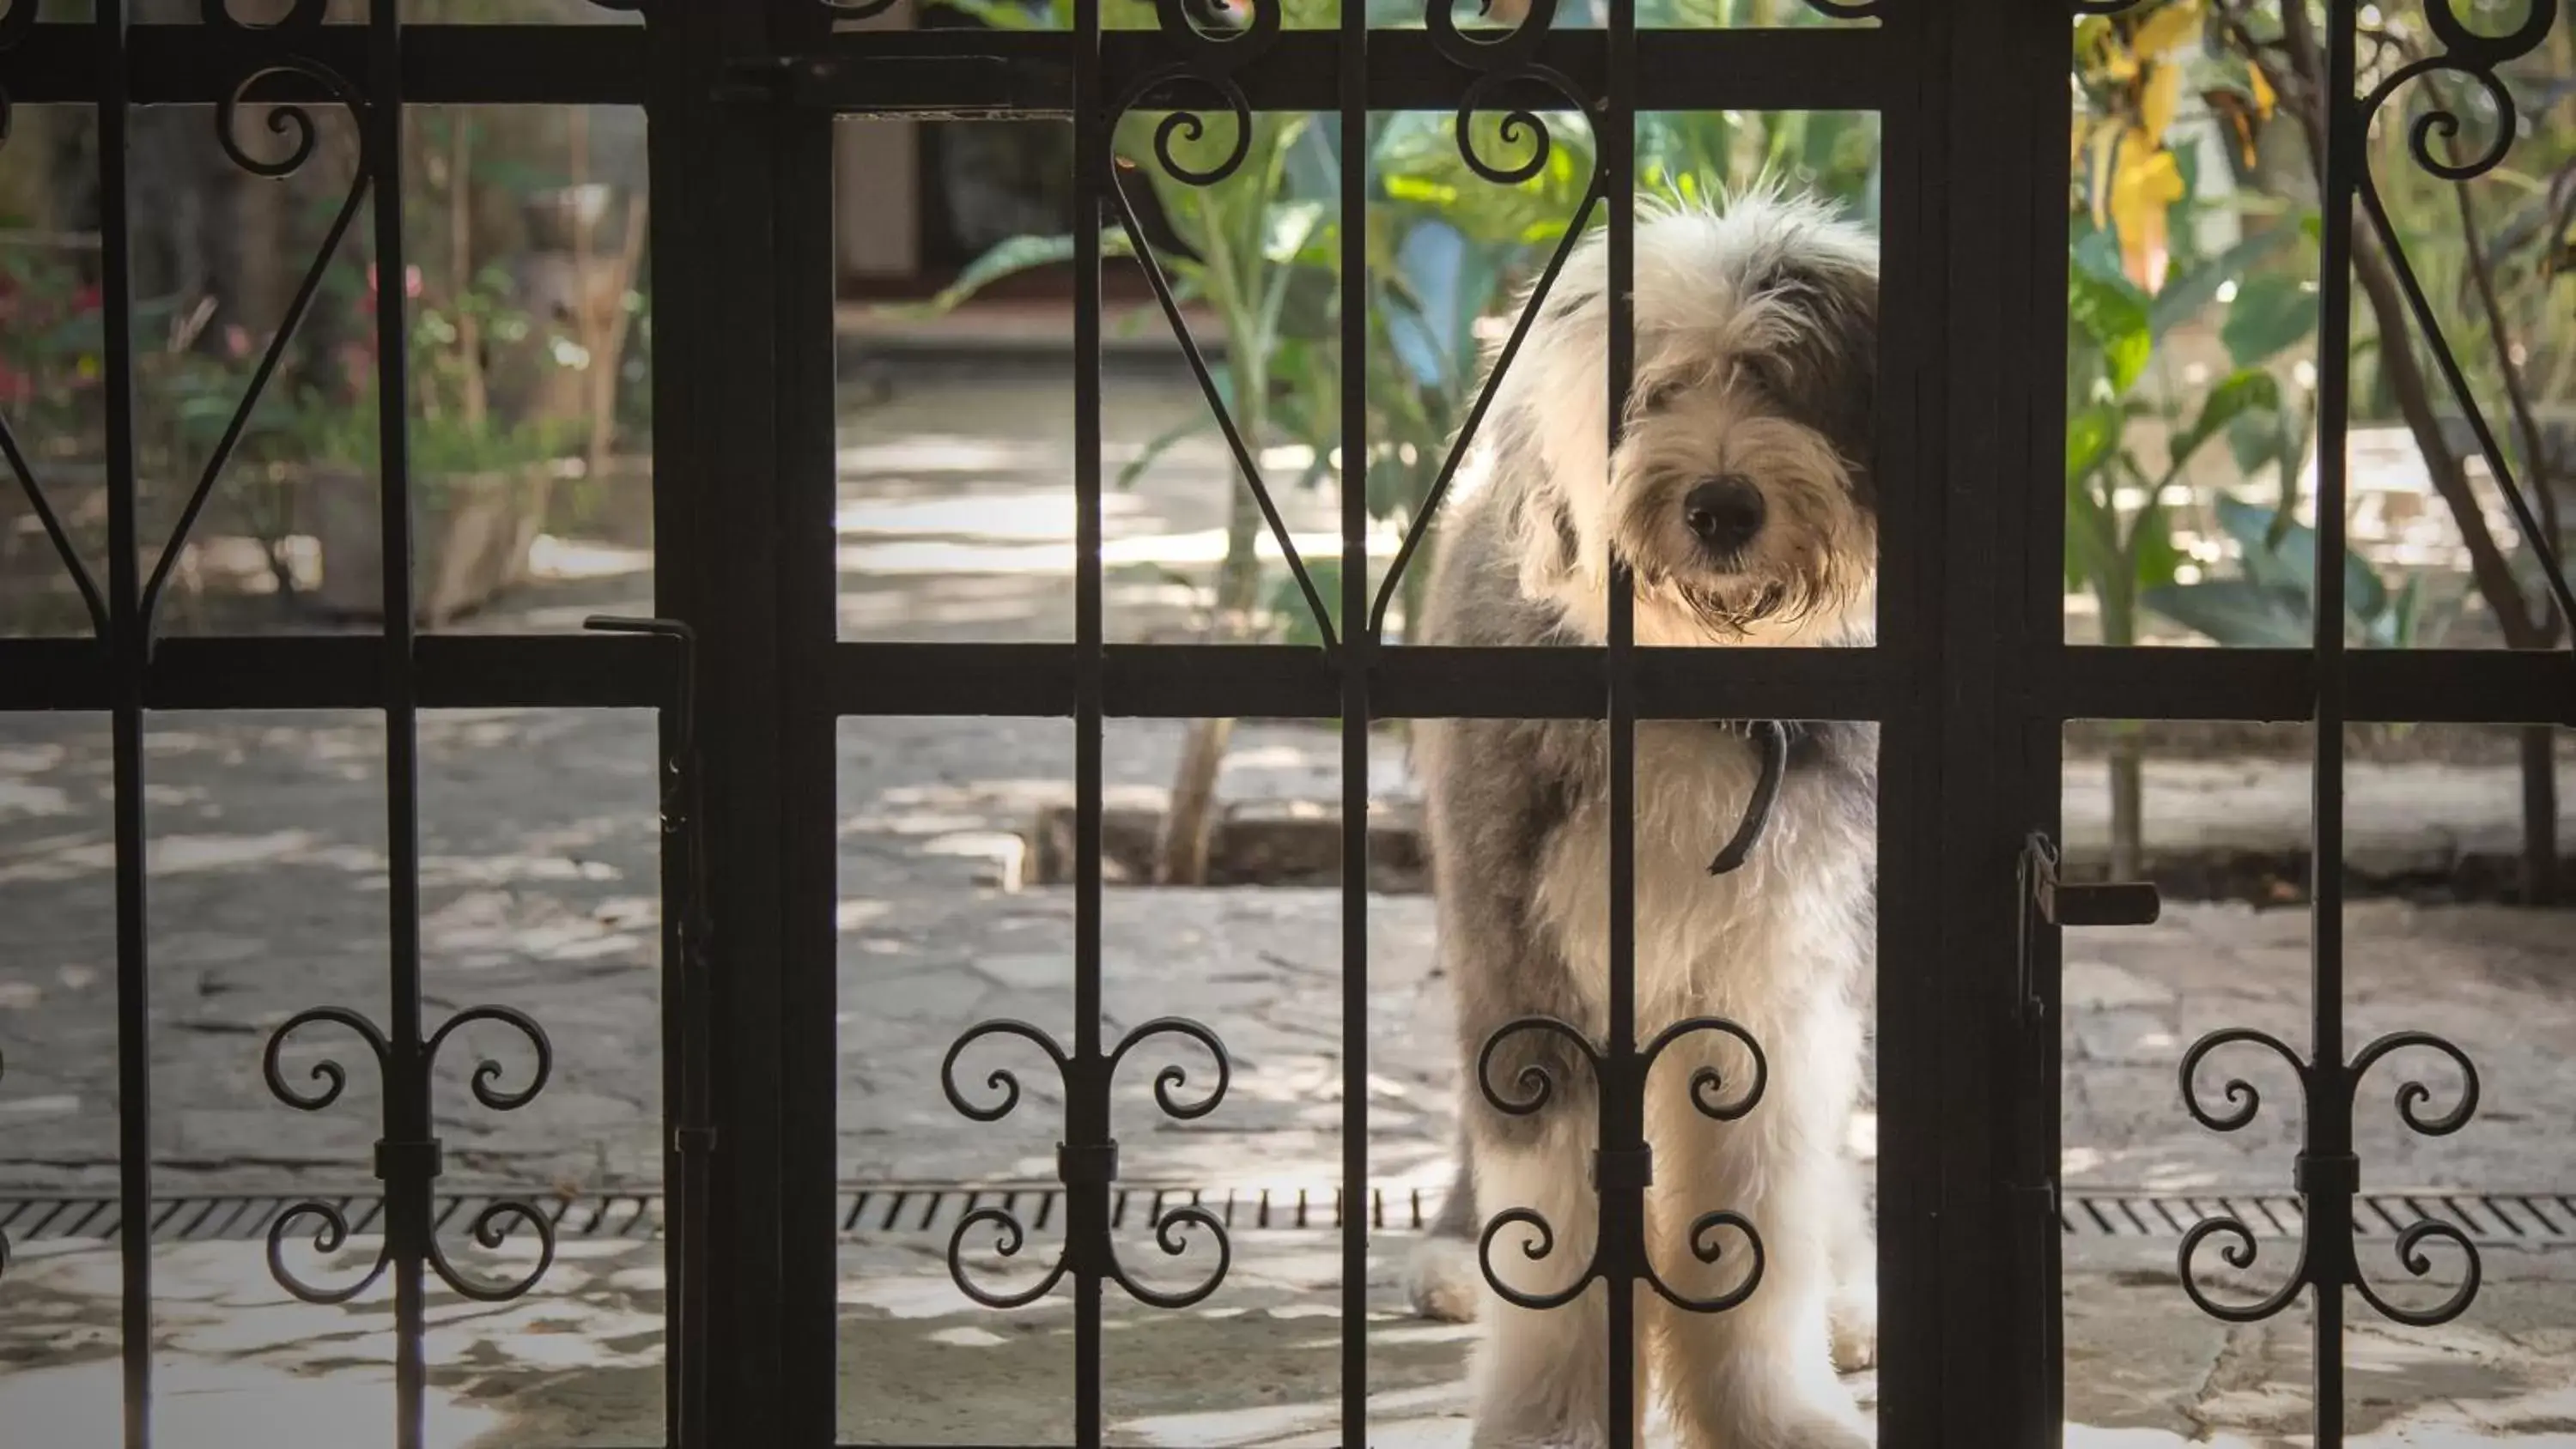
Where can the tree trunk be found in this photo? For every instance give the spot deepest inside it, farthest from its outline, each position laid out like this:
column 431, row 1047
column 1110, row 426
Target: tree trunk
column 2128, row 746
column 2128, row 798
column 2539, row 815
column 2404, row 374
column 1189, row 827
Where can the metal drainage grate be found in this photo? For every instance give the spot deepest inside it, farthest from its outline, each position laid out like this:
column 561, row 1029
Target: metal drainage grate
column 2524, row 1218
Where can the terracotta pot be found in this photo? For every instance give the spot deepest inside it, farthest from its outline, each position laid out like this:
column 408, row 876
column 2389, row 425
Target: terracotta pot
column 471, row 538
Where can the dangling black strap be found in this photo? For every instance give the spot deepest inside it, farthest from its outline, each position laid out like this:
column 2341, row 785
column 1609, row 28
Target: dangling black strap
column 1772, row 738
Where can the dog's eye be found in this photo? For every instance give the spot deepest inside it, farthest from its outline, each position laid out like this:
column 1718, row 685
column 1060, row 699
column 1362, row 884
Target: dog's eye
column 1656, row 397
column 1762, row 377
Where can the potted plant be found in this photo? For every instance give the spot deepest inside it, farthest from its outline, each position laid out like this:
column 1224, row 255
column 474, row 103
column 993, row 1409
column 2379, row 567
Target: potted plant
column 479, row 497
column 479, row 484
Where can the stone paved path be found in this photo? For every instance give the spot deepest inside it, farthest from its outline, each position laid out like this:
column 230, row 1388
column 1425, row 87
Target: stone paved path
column 268, row 897
column 579, row 1364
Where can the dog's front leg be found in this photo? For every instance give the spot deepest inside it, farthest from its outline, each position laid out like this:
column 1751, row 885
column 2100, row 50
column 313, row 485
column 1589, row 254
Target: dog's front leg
column 1855, row 1255
column 1542, row 1374
column 1760, row 1374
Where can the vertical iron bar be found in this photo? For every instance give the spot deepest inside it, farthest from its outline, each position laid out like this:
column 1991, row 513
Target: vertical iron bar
column 2038, row 784
column 1958, row 1321
column 130, row 637
column 1358, row 647
column 1086, row 1089
column 2327, row 1181
column 721, row 321
column 1914, row 245
column 807, row 625
column 1621, row 1242
column 687, row 997
column 407, row 1191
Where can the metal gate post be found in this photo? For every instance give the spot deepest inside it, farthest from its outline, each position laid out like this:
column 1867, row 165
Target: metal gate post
column 1960, row 618
column 715, row 186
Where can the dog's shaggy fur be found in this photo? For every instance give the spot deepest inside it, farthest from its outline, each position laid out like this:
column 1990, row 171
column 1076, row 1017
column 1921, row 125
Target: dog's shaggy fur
column 1755, row 362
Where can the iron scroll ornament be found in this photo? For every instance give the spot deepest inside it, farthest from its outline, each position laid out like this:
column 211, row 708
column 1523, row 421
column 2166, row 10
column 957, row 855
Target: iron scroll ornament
column 2328, row 1266
column 2475, row 57
column 1708, row 1094
column 408, row 1168
column 1207, row 65
column 1503, row 61
column 295, row 123
column 1087, row 1168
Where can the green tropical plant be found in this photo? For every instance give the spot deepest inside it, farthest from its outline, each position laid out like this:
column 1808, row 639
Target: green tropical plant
column 2271, row 602
column 2120, row 507
column 1254, row 247
column 2120, row 504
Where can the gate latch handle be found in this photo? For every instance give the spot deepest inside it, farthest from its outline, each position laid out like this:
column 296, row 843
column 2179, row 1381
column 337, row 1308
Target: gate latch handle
column 2062, row 903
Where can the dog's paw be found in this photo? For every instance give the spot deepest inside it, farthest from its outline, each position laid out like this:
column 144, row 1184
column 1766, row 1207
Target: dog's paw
column 1442, row 1281
column 1855, row 1329
column 1827, row 1431
column 1795, row 1428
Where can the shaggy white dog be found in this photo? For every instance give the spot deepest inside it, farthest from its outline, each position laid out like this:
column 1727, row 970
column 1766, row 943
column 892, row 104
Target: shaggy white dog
column 1741, row 501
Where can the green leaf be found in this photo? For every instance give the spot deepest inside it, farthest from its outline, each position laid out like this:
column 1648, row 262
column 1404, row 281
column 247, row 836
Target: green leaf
column 2254, row 441
column 1164, row 441
column 2185, row 296
column 2155, row 557
column 2096, row 254
column 2274, row 549
column 1008, row 259
column 1016, row 14
column 2112, row 312
column 2091, row 434
column 2292, row 559
column 2249, row 393
column 2092, row 552
column 1297, row 233
column 2269, row 316
column 2238, row 613
column 2396, row 628
column 1295, row 617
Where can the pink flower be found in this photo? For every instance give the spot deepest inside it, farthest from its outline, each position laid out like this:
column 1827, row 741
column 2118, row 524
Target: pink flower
column 236, row 340
column 411, row 280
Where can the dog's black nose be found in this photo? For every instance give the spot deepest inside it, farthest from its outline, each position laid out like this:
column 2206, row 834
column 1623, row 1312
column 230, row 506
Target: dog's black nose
column 1725, row 513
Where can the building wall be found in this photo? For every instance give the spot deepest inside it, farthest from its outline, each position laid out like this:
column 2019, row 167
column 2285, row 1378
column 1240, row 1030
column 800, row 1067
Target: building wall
column 877, row 179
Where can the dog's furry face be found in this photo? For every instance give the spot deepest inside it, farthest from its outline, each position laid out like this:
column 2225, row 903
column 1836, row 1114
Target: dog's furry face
column 1740, row 496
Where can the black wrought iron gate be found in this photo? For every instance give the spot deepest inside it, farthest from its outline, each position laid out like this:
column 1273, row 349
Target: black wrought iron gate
column 1971, row 680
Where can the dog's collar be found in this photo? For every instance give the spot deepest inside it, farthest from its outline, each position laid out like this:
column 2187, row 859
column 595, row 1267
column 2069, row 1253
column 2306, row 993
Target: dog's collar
column 1806, row 738
column 1777, row 740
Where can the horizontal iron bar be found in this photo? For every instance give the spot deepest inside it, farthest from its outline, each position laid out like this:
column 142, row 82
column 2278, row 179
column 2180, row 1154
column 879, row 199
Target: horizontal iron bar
column 1188, row 681
column 1184, row 681
column 2388, row 686
column 344, row 671
column 974, row 72
column 490, row 65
